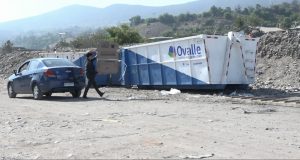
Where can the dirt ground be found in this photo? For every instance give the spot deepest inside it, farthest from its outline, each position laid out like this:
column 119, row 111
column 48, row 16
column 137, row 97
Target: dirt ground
column 138, row 124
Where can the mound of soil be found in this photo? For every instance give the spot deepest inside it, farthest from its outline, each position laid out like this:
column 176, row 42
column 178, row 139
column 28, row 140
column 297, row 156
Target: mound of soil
column 278, row 61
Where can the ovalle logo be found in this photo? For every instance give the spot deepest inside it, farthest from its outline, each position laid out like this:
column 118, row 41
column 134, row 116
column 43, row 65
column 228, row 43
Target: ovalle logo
column 172, row 52
column 179, row 51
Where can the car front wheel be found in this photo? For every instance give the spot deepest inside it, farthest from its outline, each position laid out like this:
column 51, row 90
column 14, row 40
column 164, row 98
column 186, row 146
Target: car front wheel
column 37, row 94
column 11, row 92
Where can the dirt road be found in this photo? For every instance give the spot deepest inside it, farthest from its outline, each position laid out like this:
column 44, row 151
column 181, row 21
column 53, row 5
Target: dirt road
column 130, row 123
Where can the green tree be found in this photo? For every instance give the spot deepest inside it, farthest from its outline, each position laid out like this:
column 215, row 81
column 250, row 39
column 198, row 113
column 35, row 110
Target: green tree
column 228, row 16
column 254, row 20
column 151, row 20
column 216, row 12
column 77, row 43
column 62, row 44
column 206, row 14
column 286, row 22
column 136, row 20
column 239, row 23
column 124, row 35
column 7, row 47
column 167, row 19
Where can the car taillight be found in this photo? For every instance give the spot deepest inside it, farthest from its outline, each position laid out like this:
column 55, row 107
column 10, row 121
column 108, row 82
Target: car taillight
column 49, row 73
column 81, row 72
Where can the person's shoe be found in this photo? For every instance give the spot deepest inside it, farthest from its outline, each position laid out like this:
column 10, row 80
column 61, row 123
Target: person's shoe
column 85, row 97
column 101, row 94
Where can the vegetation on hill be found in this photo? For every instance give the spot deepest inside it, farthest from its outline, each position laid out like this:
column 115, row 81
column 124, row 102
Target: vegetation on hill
column 215, row 21
column 221, row 20
column 7, row 47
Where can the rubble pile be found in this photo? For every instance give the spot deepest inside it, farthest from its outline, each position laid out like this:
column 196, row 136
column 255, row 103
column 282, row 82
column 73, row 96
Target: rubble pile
column 278, row 61
column 280, row 44
column 11, row 61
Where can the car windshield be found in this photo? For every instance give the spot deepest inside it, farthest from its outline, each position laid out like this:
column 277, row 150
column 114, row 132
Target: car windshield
column 57, row 62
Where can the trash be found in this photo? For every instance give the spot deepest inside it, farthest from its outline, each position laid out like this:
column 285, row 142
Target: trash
column 107, row 120
column 234, row 108
column 86, row 114
column 233, row 94
column 131, row 98
column 164, row 93
column 167, row 115
column 247, row 112
column 262, row 111
column 70, row 155
column 197, row 156
column 246, row 95
column 171, row 92
column 174, row 91
column 150, row 113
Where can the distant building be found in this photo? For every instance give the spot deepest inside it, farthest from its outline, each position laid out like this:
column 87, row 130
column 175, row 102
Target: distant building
column 156, row 39
column 269, row 29
column 296, row 28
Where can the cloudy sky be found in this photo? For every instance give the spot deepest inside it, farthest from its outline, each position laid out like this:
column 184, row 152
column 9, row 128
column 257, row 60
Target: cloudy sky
column 17, row 9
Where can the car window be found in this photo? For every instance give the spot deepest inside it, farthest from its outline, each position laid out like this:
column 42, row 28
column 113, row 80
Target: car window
column 41, row 65
column 34, row 65
column 57, row 62
column 24, row 67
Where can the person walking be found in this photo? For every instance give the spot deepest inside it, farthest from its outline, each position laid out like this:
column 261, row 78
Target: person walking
column 91, row 74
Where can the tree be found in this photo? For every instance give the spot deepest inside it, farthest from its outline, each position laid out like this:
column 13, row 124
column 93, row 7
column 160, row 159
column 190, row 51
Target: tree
column 206, row 14
column 286, row 22
column 7, row 47
column 62, row 44
column 166, row 19
column 77, row 43
column 151, row 20
column 228, row 15
column 136, row 20
column 216, row 12
column 254, row 20
column 124, row 35
column 239, row 23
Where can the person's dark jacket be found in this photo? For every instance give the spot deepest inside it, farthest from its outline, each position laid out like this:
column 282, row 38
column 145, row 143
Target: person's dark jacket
column 90, row 69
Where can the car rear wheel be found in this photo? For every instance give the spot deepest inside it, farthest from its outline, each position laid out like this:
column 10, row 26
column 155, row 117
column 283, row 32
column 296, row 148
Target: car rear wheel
column 11, row 92
column 37, row 94
column 49, row 94
column 76, row 93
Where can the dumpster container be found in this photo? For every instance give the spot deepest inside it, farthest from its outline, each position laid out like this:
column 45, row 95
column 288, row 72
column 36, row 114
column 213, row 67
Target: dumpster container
column 197, row 62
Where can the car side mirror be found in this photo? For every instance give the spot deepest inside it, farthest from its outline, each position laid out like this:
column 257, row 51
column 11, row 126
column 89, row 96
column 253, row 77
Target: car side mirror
column 16, row 73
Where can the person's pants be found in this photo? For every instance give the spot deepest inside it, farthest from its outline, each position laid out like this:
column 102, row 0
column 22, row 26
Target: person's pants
column 91, row 82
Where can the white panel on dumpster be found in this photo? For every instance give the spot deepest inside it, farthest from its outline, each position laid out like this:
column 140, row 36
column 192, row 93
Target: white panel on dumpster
column 216, row 48
column 200, row 70
column 154, row 53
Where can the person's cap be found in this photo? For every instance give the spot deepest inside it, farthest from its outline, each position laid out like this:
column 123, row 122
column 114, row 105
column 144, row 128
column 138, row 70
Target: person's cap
column 90, row 53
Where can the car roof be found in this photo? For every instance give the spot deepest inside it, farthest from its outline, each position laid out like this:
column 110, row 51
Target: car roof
column 40, row 59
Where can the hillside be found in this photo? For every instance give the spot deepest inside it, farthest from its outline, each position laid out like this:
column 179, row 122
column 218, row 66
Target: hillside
column 219, row 20
column 86, row 16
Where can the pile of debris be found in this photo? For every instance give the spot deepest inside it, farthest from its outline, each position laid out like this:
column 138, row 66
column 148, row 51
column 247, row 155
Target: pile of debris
column 280, row 44
column 278, row 61
column 11, row 61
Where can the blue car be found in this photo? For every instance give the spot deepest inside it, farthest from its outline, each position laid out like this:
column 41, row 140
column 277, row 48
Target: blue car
column 44, row 76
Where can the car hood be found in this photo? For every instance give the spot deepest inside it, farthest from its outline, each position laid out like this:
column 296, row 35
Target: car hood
column 11, row 77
